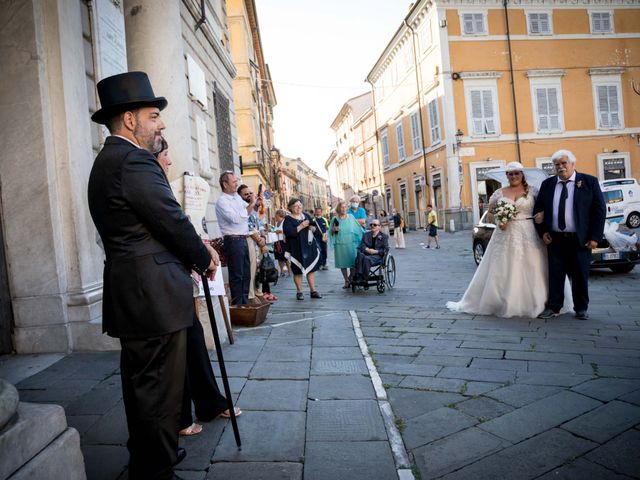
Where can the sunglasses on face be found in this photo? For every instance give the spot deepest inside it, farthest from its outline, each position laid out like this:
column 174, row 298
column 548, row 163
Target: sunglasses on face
column 375, row 224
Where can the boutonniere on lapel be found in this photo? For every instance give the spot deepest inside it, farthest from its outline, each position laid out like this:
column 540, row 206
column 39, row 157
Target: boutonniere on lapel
column 579, row 184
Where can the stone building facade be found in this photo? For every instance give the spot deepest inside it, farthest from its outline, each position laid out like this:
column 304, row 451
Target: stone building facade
column 54, row 52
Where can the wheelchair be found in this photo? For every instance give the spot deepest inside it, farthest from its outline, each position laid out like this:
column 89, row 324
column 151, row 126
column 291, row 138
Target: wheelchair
column 382, row 276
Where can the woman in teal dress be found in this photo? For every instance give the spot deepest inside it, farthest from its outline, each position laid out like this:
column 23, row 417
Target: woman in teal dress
column 345, row 237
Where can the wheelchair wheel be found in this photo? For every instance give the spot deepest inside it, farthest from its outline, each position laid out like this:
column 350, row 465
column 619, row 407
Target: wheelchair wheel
column 390, row 271
column 380, row 285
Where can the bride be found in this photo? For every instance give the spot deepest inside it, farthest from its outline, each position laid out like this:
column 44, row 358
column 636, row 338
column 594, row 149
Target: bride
column 511, row 280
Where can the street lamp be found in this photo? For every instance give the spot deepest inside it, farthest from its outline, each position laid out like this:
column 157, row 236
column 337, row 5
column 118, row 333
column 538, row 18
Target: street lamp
column 459, row 134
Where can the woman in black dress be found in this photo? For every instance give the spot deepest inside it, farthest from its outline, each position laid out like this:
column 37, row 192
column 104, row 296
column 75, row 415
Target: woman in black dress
column 302, row 249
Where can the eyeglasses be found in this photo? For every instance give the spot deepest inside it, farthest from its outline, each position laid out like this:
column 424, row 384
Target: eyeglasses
column 375, row 224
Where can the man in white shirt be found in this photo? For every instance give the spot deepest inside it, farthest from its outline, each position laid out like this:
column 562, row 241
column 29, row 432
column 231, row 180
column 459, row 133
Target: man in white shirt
column 233, row 219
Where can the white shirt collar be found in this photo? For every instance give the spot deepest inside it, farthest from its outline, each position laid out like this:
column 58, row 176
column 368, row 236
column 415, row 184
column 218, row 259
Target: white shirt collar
column 130, row 141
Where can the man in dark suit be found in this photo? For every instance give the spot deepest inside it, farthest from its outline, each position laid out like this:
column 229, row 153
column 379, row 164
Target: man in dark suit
column 150, row 248
column 371, row 251
column 574, row 215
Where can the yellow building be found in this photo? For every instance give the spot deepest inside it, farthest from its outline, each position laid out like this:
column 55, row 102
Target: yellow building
column 254, row 98
column 308, row 186
column 355, row 167
column 496, row 84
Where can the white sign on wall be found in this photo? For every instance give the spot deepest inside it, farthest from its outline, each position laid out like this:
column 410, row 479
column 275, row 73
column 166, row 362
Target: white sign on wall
column 467, row 152
column 197, row 82
column 110, row 38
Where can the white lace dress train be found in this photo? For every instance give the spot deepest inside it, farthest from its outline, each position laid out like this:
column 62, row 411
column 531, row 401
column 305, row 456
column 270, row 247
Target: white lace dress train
column 511, row 280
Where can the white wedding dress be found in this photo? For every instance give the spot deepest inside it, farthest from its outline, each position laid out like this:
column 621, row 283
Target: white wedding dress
column 511, row 280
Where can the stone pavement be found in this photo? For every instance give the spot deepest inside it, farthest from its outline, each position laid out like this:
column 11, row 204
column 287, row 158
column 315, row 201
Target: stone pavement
column 474, row 397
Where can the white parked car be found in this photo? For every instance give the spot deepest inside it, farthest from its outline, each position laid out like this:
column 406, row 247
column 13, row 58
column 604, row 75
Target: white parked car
column 622, row 197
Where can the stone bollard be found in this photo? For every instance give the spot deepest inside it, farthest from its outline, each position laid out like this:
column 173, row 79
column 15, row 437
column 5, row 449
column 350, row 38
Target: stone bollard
column 35, row 441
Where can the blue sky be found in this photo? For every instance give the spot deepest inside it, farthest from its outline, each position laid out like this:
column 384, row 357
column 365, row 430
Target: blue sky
column 319, row 53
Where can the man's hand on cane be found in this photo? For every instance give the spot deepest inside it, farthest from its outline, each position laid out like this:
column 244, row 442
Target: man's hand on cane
column 215, row 261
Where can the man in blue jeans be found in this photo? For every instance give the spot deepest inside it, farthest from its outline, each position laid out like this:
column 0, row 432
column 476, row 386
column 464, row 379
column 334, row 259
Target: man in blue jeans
column 233, row 219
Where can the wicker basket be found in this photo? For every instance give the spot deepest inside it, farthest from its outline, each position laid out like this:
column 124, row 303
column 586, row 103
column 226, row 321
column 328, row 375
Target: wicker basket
column 249, row 315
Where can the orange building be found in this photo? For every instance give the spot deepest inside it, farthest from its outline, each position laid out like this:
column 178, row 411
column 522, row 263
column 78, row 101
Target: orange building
column 497, row 83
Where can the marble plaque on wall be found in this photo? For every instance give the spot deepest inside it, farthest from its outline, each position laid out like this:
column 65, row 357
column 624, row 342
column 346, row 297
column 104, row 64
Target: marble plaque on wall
column 110, row 38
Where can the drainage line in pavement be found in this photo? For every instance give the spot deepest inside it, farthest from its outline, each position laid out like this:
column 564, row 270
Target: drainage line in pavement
column 275, row 325
column 395, row 439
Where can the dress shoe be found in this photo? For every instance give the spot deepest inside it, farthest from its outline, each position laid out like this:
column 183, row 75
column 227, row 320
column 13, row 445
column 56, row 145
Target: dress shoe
column 548, row 313
column 315, row 294
column 182, row 453
column 582, row 315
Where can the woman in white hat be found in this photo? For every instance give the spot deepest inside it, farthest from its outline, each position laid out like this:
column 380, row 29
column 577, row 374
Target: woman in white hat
column 511, row 280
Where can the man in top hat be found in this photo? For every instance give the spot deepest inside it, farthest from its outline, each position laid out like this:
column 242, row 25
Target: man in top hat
column 150, row 248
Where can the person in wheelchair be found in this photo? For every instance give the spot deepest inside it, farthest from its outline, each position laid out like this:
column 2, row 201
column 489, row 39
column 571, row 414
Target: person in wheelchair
column 373, row 246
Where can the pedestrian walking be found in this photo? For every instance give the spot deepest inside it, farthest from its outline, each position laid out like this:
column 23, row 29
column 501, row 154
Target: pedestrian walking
column 302, row 248
column 321, row 235
column 344, row 238
column 398, row 229
column 432, row 226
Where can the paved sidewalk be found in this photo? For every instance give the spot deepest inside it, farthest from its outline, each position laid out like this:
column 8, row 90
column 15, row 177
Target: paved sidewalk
column 309, row 408
column 484, row 397
column 474, row 397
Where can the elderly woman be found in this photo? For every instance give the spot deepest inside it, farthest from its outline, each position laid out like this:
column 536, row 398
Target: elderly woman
column 357, row 211
column 200, row 381
column 302, row 249
column 344, row 238
column 398, row 225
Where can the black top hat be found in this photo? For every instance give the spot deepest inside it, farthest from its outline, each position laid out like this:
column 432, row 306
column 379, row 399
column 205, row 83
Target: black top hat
column 126, row 91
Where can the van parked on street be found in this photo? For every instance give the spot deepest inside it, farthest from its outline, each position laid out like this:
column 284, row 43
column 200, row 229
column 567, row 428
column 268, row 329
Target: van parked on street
column 622, row 197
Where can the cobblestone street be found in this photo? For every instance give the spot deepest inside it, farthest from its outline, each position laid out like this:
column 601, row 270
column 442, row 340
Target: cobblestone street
column 472, row 397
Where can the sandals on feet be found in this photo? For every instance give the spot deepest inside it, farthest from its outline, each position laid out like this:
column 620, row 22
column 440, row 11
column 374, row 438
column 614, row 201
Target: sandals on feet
column 227, row 414
column 315, row 294
column 299, row 296
column 193, row 429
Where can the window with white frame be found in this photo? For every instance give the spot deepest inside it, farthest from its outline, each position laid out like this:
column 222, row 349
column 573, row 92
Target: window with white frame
column 473, row 23
column 416, row 135
column 434, row 121
column 547, row 104
column 384, row 140
column 607, row 99
column 482, row 110
column 400, row 140
column 601, row 22
column 539, row 23
column 407, row 56
column 424, row 34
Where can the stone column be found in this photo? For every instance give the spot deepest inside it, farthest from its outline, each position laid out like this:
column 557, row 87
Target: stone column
column 154, row 45
column 29, row 194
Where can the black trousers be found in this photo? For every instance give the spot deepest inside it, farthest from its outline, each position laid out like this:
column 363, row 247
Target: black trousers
column 323, row 252
column 239, row 266
column 567, row 257
column 365, row 262
column 200, row 381
column 152, row 373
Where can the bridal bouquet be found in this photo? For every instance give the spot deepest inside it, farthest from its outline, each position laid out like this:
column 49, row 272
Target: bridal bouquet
column 504, row 211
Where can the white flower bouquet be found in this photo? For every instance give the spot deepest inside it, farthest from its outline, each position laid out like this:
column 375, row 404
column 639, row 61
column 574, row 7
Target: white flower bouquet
column 504, row 211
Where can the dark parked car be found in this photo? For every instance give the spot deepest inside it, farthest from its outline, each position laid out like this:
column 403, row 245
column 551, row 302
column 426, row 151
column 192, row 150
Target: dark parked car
column 602, row 257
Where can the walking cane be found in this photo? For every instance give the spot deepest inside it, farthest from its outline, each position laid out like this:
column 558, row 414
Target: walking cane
column 223, row 370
